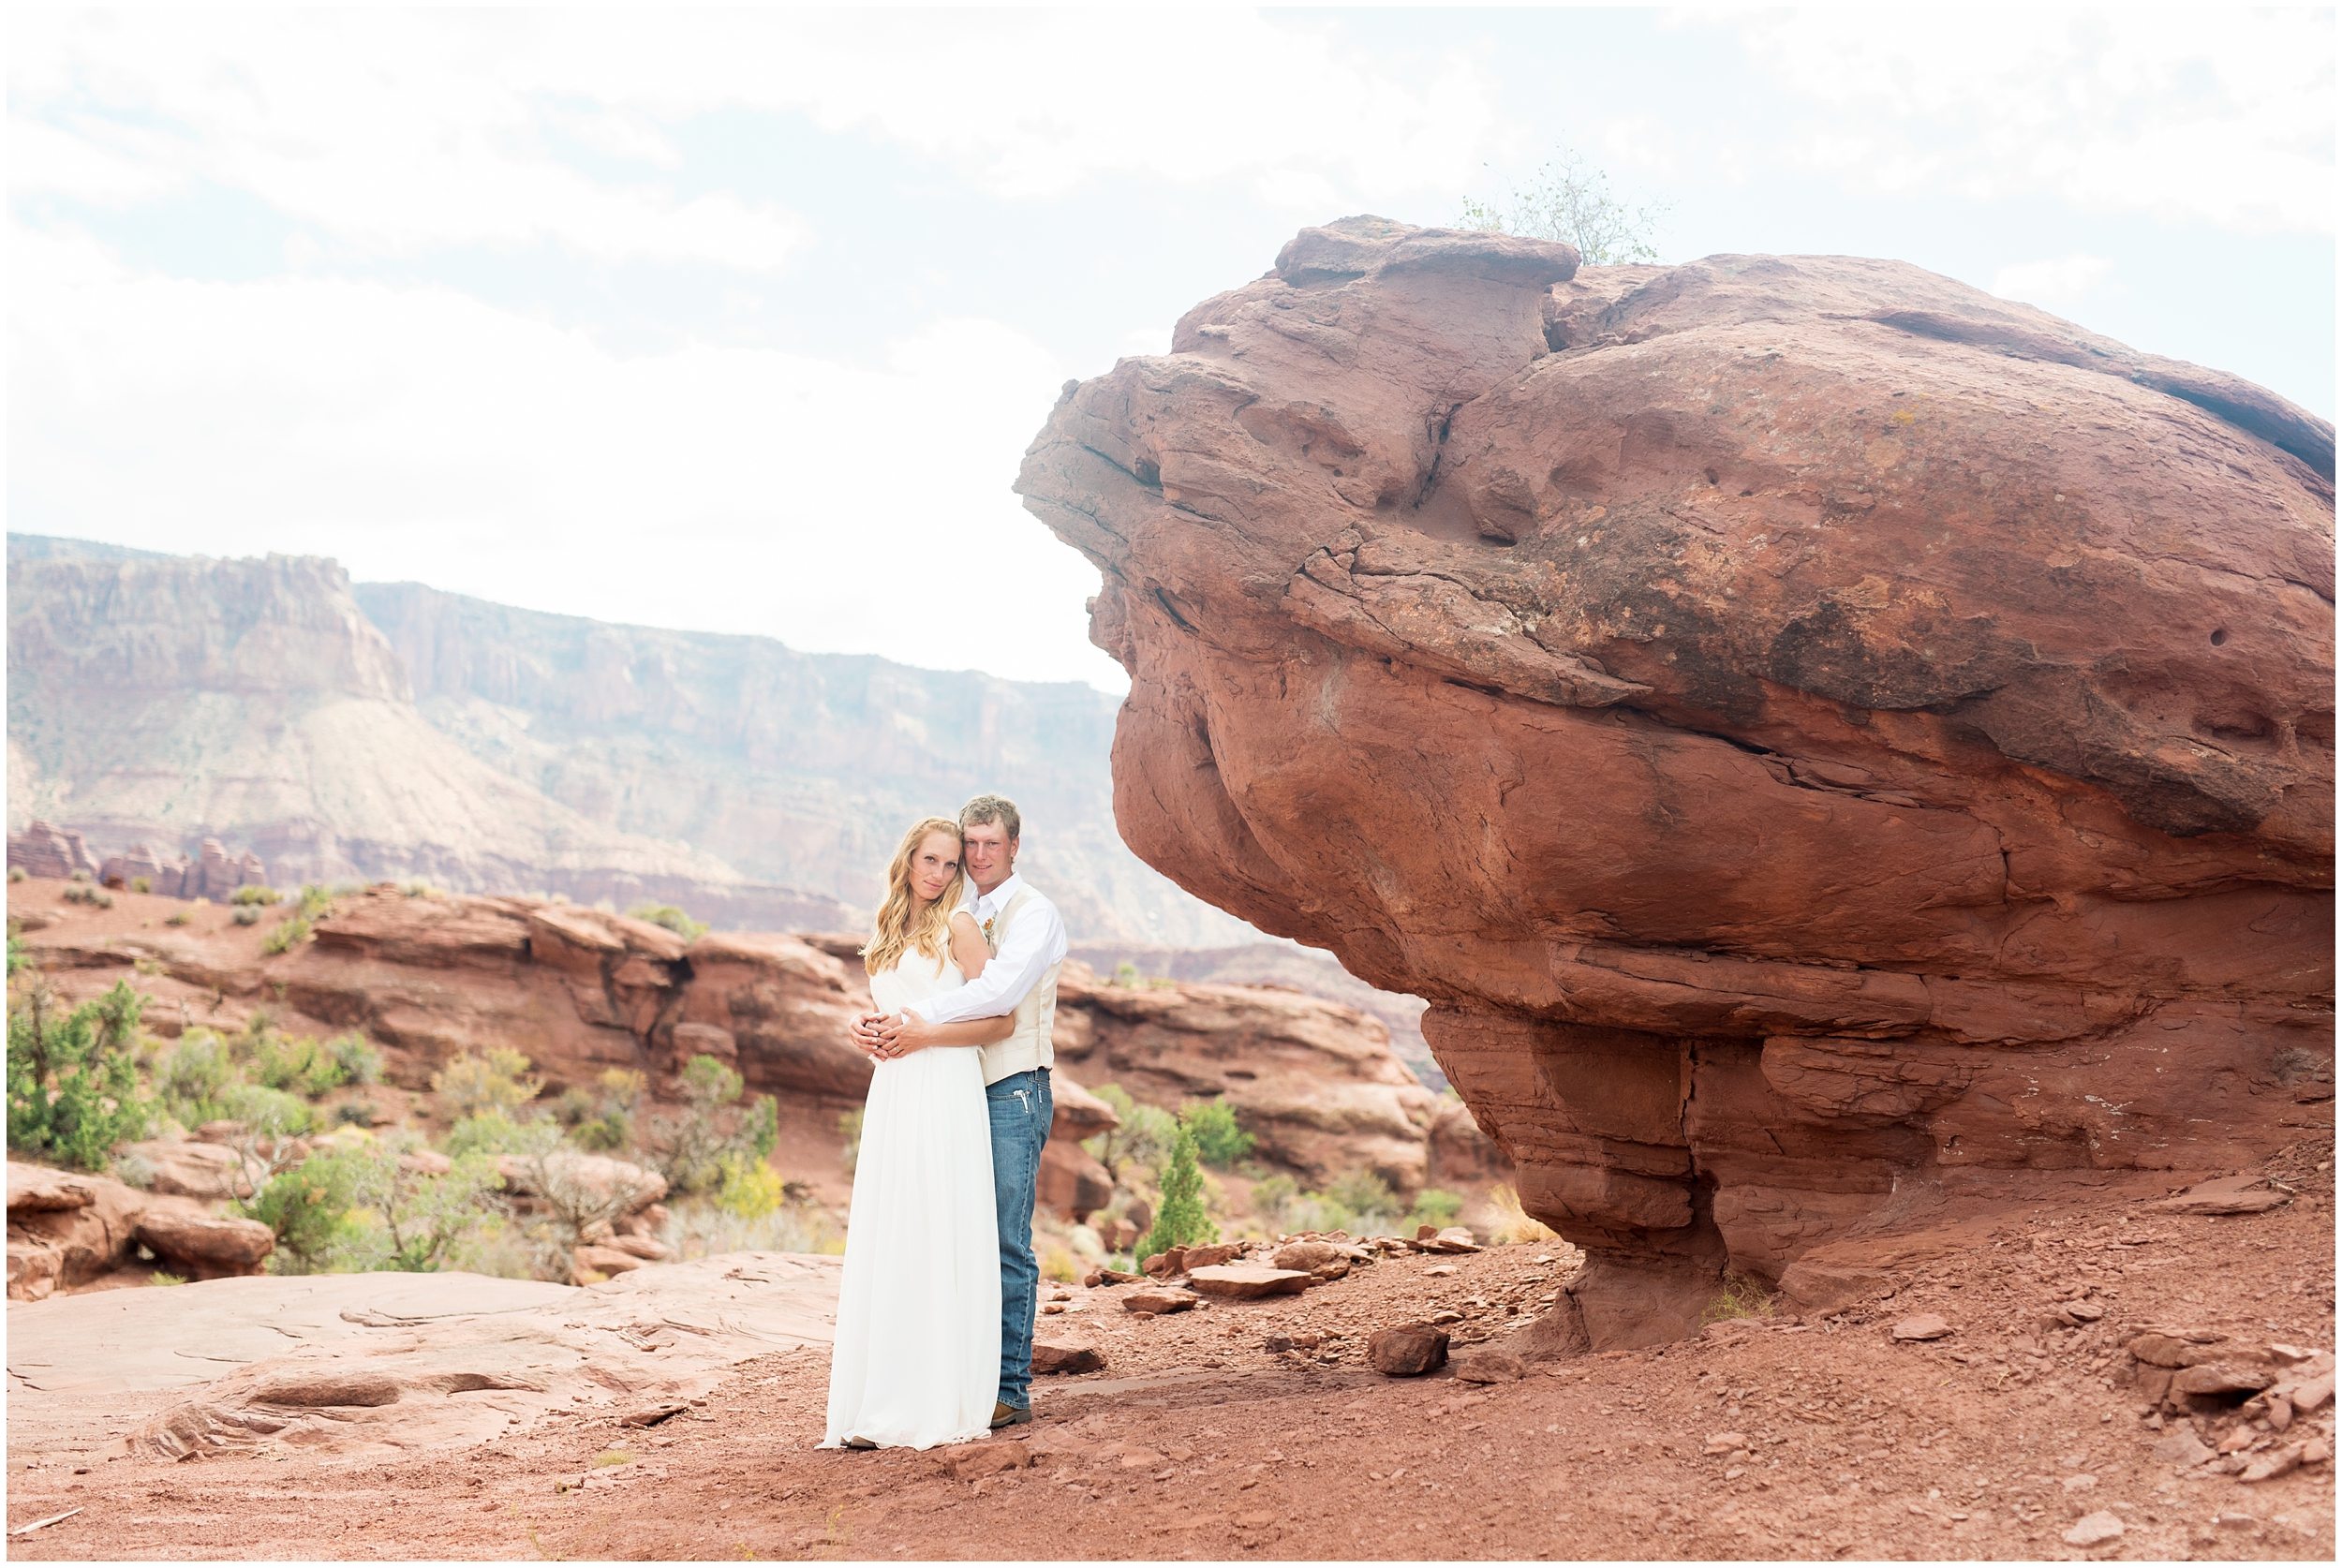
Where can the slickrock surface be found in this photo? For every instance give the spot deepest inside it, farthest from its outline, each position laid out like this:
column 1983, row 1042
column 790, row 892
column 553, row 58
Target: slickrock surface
column 373, row 1365
column 1837, row 752
column 1781, row 1440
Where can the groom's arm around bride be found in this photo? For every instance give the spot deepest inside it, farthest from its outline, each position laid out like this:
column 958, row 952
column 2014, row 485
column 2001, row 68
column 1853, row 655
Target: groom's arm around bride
column 1021, row 925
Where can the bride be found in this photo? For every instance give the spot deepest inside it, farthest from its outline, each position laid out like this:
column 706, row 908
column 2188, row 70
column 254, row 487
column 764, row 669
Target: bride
column 916, row 1361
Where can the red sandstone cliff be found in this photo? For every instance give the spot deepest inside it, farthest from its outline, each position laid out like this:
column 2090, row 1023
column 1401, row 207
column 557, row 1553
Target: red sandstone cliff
column 578, row 991
column 1831, row 746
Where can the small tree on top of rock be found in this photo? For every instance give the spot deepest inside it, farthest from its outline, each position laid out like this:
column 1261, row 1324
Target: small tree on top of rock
column 1182, row 1220
column 1568, row 201
column 672, row 918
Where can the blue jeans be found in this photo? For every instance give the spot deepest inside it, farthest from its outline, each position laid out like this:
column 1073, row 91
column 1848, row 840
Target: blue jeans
column 1021, row 1107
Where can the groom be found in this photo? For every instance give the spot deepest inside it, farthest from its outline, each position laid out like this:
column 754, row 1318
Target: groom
column 1028, row 942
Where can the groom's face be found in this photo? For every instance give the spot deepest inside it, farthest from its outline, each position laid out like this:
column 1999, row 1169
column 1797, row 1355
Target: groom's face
column 991, row 855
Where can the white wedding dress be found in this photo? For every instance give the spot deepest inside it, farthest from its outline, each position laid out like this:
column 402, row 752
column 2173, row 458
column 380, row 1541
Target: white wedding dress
column 917, row 1357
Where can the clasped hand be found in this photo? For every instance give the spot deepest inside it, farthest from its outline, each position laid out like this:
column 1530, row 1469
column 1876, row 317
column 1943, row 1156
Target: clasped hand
column 886, row 1038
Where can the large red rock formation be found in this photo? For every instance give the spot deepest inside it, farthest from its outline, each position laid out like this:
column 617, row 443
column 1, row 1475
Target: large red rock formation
column 45, row 849
column 1828, row 743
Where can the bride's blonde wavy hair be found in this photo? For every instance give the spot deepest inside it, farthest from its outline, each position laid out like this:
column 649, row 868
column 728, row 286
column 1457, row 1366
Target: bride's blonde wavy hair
column 898, row 929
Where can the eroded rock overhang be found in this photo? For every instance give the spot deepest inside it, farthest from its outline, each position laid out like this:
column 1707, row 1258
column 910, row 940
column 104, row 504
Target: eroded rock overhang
column 1824, row 739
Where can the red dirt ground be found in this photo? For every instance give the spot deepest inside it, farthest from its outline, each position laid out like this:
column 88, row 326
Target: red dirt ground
column 1197, row 1442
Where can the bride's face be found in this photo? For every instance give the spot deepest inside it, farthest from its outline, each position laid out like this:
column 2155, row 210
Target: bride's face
column 932, row 865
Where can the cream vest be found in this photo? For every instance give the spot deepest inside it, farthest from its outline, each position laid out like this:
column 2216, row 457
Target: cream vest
column 1030, row 1045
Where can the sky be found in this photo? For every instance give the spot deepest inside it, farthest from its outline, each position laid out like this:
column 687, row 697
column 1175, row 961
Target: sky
column 741, row 320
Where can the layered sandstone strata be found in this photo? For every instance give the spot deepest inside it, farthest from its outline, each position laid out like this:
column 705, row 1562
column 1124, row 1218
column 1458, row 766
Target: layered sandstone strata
column 580, row 991
column 1315, row 1083
column 153, row 700
column 1829, row 744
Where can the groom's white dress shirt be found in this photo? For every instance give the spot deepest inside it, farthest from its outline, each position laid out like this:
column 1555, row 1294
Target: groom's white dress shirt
column 1034, row 942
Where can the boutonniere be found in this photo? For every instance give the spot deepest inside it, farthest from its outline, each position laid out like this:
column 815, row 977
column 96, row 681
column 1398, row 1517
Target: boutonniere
column 988, row 928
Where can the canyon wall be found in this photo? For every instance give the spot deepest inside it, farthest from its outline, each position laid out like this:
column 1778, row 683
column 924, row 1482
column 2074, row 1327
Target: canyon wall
column 161, row 701
column 793, row 768
column 1833, row 749
column 391, row 731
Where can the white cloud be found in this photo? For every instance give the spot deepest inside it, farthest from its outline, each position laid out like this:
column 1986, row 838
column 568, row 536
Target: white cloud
column 2056, row 282
column 402, row 130
column 2221, row 117
column 429, row 436
column 394, row 132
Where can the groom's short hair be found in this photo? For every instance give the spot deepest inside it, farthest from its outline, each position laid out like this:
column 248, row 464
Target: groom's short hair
column 993, row 808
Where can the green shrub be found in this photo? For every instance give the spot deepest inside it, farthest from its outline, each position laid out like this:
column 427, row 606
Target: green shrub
column 1143, row 1140
column 18, row 873
column 83, row 893
column 1180, row 1221
column 402, row 1218
column 190, row 1076
column 315, row 900
column 672, row 918
column 73, row 1082
column 602, row 1119
column 471, row 1085
column 1367, row 1196
column 288, row 935
column 252, row 896
column 142, row 885
column 354, row 1113
column 308, row 1208
column 759, row 1133
column 270, row 1112
column 489, row 1132
column 361, row 1064
column 751, row 1189
column 1218, row 1141
column 179, row 917
column 246, row 914
column 851, row 1125
column 1360, row 1203
column 297, row 1064
column 689, row 1149
column 17, row 958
